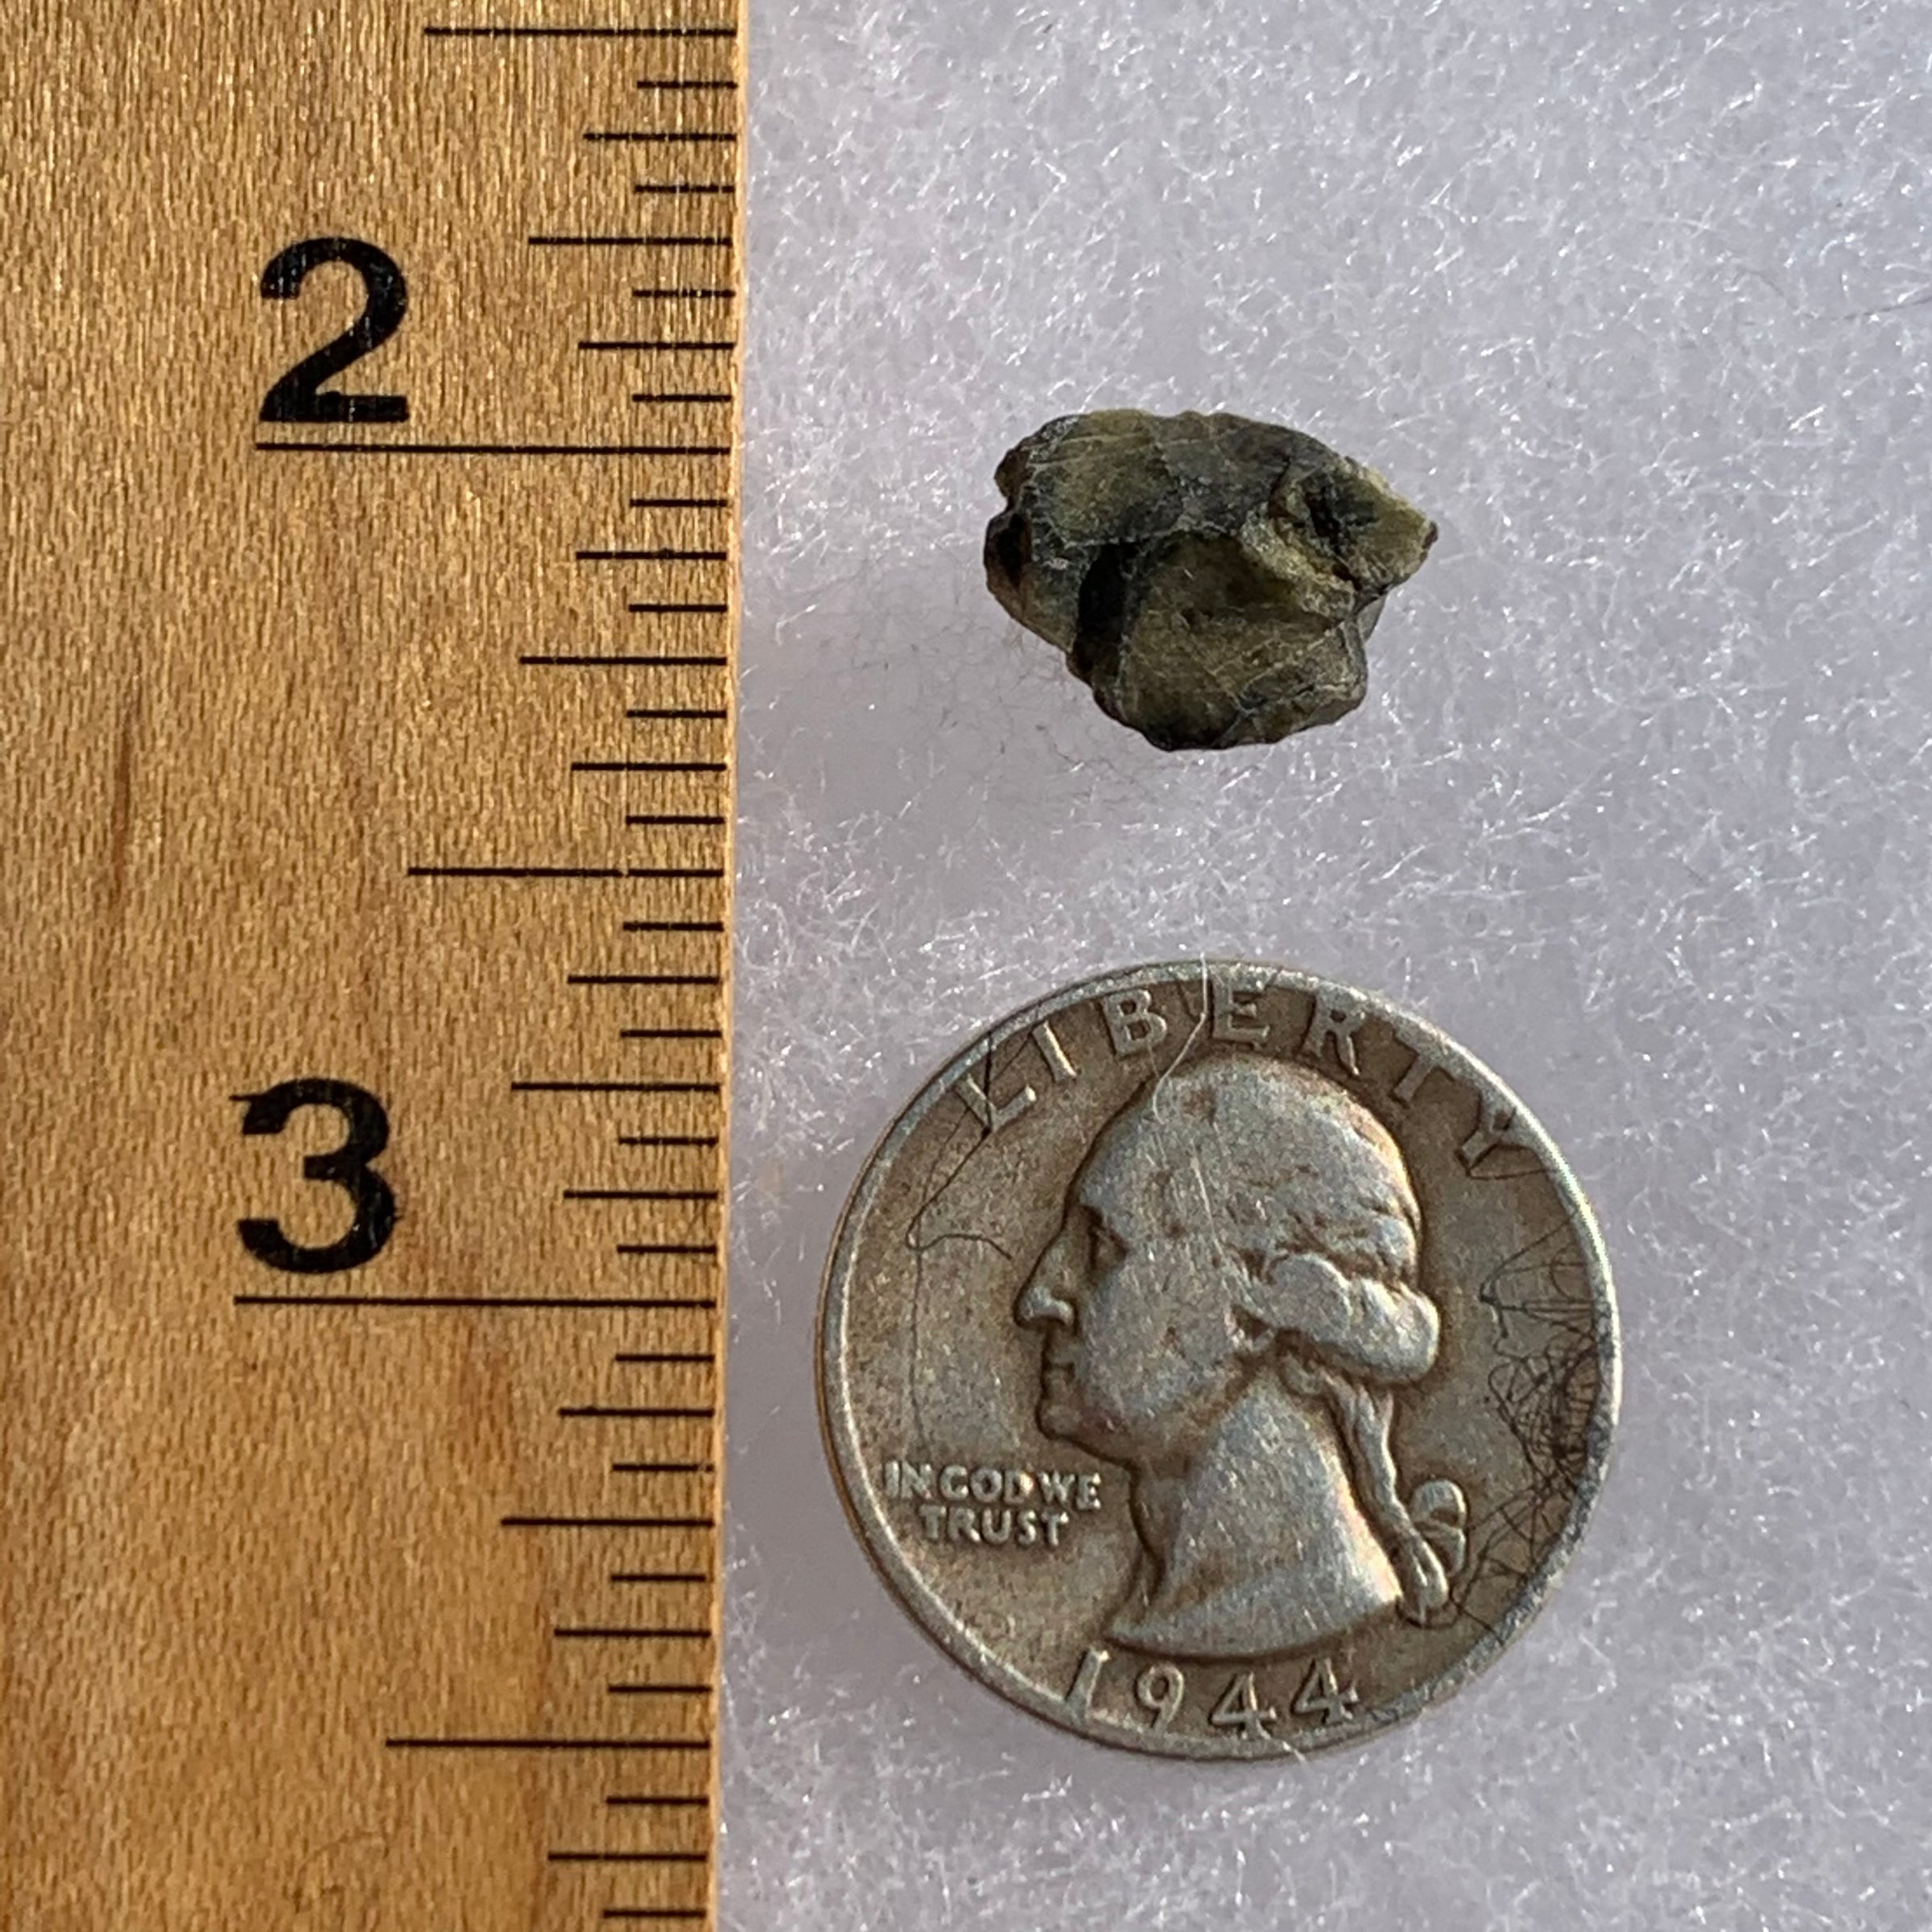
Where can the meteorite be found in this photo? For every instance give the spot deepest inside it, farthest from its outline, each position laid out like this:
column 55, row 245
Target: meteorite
column 1212, row 580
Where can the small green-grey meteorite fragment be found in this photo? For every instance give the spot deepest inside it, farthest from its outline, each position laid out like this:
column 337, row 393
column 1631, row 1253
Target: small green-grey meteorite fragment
column 1213, row 579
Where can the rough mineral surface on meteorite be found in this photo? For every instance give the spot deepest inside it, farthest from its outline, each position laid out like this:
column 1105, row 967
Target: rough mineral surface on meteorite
column 1213, row 579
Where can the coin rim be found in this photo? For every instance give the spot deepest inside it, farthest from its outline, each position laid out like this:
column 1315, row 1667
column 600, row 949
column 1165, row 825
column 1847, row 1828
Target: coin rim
column 930, row 1611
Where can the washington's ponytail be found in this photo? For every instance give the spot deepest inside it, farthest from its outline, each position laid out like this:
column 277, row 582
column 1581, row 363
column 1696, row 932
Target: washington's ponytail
column 1424, row 1537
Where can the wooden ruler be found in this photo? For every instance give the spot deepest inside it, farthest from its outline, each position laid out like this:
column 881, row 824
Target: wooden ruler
column 371, row 442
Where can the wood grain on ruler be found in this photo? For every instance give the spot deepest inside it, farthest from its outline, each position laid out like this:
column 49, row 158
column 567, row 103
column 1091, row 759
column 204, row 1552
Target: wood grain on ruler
column 368, row 782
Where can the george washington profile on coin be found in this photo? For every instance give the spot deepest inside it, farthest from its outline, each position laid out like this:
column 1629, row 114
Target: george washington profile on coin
column 1218, row 1361
column 1228, row 1309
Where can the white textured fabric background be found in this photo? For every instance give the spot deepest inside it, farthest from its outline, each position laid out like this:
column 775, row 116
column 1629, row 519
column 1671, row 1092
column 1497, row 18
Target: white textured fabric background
column 1634, row 299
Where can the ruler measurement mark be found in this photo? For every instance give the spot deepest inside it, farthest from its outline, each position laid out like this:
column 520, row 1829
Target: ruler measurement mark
column 680, row 503
column 314, row 445
column 655, row 1911
column 507, row 32
column 651, row 137
column 603, row 873
column 643, row 661
column 667, row 1140
column 655, row 1800
column 547, row 1743
column 709, row 1248
column 660, row 1576
column 615, row 240
column 658, row 1689
column 658, row 556
column 711, row 1087
column 629, row 1858
column 601, row 1413
column 648, row 1413
column 631, row 1303
column 645, row 979
column 663, row 1354
column 608, row 1522
column 663, row 1468
column 658, row 609
column 692, row 396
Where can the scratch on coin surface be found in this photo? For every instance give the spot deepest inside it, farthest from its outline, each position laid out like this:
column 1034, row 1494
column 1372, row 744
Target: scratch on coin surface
column 1545, row 1386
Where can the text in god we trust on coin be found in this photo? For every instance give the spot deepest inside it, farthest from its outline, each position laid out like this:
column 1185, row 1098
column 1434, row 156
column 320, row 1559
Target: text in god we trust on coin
column 1025, row 1509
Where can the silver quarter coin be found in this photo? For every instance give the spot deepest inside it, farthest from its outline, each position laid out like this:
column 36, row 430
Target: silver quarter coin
column 1218, row 1361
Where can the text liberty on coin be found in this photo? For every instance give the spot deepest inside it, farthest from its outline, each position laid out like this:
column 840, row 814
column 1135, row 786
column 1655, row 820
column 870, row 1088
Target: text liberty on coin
column 1217, row 1361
